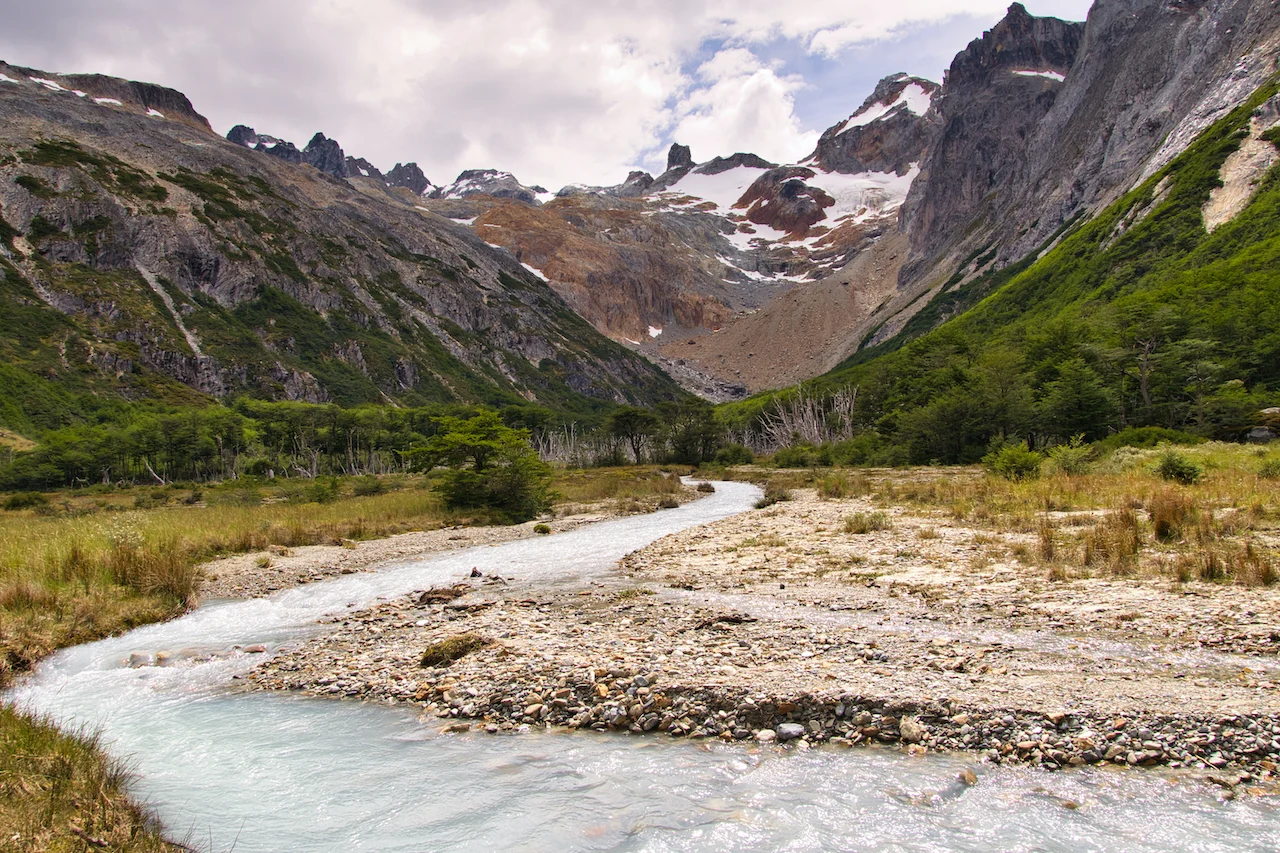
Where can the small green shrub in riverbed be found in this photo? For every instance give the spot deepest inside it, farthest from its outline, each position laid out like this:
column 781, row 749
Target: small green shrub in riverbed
column 451, row 649
column 867, row 522
column 773, row 493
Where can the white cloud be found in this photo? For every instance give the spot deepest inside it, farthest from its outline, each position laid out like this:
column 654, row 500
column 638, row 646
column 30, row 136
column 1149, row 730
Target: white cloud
column 552, row 90
column 742, row 106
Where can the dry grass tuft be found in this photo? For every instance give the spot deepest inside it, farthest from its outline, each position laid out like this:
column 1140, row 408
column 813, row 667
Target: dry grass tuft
column 867, row 522
column 451, row 649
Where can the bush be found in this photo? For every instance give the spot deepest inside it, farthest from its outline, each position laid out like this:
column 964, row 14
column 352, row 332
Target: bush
column 834, row 486
column 25, row 500
column 1270, row 470
column 369, row 485
column 706, row 487
column 803, row 456
column 449, row 650
column 1148, row 436
column 541, row 529
column 1013, row 462
column 867, row 522
column 773, row 493
column 1177, row 468
column 1073, row 458
column 734, row 454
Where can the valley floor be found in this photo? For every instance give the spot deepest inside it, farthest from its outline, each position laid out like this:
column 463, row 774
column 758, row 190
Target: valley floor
column 842, row 621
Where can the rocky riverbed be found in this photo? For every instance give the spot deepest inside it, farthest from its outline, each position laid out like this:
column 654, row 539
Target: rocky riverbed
column 782, row 625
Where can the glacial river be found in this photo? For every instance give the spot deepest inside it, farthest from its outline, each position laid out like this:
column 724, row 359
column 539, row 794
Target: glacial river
column 228, row 770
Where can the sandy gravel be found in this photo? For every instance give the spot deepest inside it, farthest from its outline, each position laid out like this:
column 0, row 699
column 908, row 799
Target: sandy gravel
column 779, row 624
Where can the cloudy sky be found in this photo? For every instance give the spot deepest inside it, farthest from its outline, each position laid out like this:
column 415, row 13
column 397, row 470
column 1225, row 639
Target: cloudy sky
column 556, row 91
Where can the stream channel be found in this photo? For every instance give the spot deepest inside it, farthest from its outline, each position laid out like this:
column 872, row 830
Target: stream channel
column 230, row 770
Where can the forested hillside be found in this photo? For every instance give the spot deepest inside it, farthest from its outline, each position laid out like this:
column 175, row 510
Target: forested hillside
column 1138, row 316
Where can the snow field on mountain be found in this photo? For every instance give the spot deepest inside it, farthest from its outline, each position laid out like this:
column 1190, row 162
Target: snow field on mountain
column 914, row 96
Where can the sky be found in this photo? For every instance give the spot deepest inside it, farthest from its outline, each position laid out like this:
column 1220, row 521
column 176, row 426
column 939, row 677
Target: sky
column 554, row 91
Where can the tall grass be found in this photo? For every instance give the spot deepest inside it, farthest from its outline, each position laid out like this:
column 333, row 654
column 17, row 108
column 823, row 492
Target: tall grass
column 59, row 792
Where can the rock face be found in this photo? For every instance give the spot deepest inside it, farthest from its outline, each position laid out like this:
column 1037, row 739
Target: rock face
column 887, row 134
column 489, row 182
column 409, row 176
column 996, row 93
column 326, row 155
column 362, row 168
column 147, row 257
column 113, row 92
column 679, row 157
column 781, row 199
column 1043, row 121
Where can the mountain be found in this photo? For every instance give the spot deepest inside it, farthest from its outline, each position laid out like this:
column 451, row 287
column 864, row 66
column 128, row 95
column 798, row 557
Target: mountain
column 144, row 256
column 1041, row 124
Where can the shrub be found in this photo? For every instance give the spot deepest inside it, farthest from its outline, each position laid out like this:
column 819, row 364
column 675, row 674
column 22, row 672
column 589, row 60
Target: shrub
column 833, row 486
column 867, row 522
column 1013, row 462
column 1171, row 513
column 1270, row 469
column 1073, row 458
column 368, row 485
column 25, row 500
column 541, row 529
column 734, row 454
column 668, row 502
column 1176, row 467
column 706, row 487
column 451, row 649
column 1149, row 436
column 773, row 493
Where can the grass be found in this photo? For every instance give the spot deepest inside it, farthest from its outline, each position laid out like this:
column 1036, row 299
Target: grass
column 867, row 522
column 58, row 792
column 448, row 650
column 80, row 566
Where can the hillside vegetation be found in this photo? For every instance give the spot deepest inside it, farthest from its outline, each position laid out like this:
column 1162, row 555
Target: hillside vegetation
column 1137, row 317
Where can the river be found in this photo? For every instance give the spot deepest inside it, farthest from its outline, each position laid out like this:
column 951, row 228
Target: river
column 230, row 770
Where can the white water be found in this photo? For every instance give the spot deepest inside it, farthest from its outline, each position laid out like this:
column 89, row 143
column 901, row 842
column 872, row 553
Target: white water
column 255, row 772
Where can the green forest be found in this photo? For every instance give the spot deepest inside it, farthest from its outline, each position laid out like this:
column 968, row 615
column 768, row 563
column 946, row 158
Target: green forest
column 1138, row 319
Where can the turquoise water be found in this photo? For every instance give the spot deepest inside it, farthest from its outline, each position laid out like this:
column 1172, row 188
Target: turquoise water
column 229, row 770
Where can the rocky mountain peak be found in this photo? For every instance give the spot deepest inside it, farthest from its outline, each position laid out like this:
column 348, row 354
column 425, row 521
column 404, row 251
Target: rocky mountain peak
column 723, row 164
column 490, row 182
column 1020, row 41
column 888, row 133
column 362, row 168
column 326, row 156
column 679, row 157
column 409, row 176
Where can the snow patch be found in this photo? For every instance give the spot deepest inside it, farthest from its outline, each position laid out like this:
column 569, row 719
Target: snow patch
column 654, row 331
column 1048, row 75
column 79, row 94
column 48, row 84
column 108, row 101
column 471, row 221
column 722, row 190
column 914, row 97
column 363, row 171
column 535, row 271
column 864, row 195
column 155, row 113
column 4, row 79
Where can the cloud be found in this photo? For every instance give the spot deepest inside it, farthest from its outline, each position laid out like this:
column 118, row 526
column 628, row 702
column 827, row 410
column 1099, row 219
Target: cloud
column 554, row 90
column 742, row 105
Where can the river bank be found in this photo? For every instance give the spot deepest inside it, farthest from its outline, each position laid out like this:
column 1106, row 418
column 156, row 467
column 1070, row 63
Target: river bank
column 791, row 624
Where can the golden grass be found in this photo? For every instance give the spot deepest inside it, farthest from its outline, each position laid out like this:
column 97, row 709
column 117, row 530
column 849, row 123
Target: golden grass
column 59, row 792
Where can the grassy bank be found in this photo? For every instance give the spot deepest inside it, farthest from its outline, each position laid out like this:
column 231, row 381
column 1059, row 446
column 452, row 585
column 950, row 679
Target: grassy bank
column 78, row 566
column 1119, row 516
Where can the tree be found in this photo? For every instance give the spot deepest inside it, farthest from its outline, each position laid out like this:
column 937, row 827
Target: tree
column 1076, row 402
column 633, row 425
column 490, row 465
